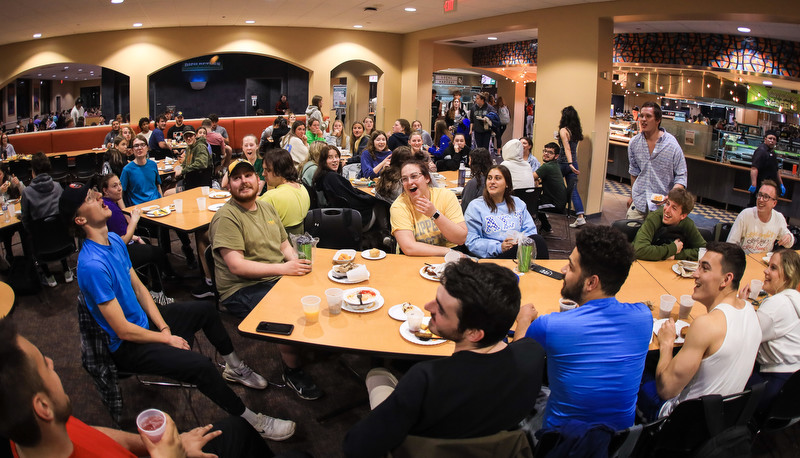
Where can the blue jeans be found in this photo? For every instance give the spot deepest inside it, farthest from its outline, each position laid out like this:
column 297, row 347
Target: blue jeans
column 243, row 301
column 572, row 182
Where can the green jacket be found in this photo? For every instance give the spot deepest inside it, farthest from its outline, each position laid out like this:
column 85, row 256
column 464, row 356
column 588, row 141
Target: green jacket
column 646, row 250
column 197, row 157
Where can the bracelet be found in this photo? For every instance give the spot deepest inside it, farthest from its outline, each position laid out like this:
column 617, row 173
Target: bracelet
column 162, row 329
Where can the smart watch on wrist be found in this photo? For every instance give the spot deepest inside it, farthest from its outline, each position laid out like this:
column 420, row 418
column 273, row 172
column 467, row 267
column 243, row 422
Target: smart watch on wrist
column 436, row 214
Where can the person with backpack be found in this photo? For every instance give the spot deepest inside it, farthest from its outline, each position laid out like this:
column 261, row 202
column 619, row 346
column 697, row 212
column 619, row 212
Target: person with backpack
column 504, row 116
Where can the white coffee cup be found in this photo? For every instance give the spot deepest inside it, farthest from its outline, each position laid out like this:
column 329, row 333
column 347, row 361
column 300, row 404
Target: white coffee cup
column 566, row 304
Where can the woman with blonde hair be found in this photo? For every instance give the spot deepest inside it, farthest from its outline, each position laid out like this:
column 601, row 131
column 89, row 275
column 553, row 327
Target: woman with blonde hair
column 336, row 136
column 356, row 142
column 309, row 167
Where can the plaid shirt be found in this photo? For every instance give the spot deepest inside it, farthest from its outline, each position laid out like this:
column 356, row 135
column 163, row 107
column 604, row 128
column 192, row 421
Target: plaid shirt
column 97, row 360
column 658, row 172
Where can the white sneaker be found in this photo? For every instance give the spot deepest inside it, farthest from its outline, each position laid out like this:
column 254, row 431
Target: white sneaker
column 578, row 222
column 68, row 277
column 244, row 375
column 51, row 281
column 274, row 428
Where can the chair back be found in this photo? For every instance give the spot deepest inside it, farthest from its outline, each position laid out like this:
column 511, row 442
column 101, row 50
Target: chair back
column 21, row 169
column 59, row 167
column 511, row 444
column 97, row 360
column 784, row 410
column 85, row 166
column 51, row 239
column 531, row 198
column 216, row 154
column 721, row 231
column 708, row 236
column 695, row 422
column 336, row 228
column 197, row 178
column 629, row 227
column 212, row 274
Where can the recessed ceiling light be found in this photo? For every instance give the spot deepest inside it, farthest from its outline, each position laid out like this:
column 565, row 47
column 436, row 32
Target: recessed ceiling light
column 54, row 76
column 66, row 67
column 37, row 35
column 767, row 83
column 117, row 1
column 744, row 29
column 250, row 22
column 411, row 10
column 39, row 74
column 137, row 24
column 358, row 26
column 491, row 38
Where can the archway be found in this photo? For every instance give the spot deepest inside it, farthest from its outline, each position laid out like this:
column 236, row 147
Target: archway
column 359, row 85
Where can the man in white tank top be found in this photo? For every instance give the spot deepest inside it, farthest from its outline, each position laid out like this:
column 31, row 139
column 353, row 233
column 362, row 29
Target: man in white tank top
column 721, row 346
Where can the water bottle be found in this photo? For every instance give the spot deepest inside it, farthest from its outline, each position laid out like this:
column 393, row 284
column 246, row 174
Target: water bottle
column 462, row 174
column 6, row 213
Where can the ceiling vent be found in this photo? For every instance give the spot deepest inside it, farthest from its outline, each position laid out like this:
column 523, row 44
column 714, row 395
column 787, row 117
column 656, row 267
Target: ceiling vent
column 460, row 42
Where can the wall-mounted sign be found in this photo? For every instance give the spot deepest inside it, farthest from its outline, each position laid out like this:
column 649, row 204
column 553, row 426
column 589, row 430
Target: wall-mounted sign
column 689, row 140
column 450, row 80
column 373, row 78
column 339, row 96
column 201, row 66
column 450, row 6
column 763, row 96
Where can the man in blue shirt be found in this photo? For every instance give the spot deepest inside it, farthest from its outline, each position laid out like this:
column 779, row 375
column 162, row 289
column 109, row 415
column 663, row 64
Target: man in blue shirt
column 141, row 338
column 595, row 352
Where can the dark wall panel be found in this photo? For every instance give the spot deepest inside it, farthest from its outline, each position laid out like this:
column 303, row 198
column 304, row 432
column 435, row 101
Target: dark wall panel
column 226, row 91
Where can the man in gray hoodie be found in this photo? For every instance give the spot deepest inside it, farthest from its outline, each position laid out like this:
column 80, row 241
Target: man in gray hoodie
column 40, row 200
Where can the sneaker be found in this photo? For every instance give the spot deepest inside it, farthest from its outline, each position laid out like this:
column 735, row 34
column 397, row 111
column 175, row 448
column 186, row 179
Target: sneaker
column 68, row 277
column 50, row 280
column 244, row 375
column 578, row 222
column 274, row 428
column 203, row 290
column 191, row 259
column 301, row 383
column 161, row 299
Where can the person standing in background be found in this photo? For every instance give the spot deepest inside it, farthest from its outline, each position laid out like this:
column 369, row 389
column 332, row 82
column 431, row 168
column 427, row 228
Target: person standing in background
column 765, row 166
column 282, row 105
column 569, row 134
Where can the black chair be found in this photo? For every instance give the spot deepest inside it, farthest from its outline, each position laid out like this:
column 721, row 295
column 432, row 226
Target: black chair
column 696, row 421
column 336, row 228
column 21, row 169
column 531, row 198
column 85, row 167
column 721, row 231
column 216, row 155
column 59, row 167
column 784, row 410
column 51, row 240
column 209, row 254
column 197, row 178
column 629, row 227
column 708, row 236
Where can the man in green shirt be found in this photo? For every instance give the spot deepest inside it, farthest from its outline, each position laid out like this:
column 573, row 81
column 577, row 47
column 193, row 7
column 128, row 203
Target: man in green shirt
column 667, row 233
column 554, row 192
column 251, row 253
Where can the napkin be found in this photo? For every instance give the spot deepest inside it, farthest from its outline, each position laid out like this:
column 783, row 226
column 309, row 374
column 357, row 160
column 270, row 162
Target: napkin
column 360, row 273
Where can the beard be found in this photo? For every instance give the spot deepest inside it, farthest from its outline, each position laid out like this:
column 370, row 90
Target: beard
column 573, row 292
column 247, row 196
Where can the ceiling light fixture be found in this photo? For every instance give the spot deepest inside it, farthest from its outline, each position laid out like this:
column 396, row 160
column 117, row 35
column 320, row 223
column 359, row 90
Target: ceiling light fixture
column 137, row 24
column 358, row 26
column 767, row 83
column 744, row 29
column 410, row 10
column 116, row 2
column 250, row 21
column 37, row 35
column 491, row 38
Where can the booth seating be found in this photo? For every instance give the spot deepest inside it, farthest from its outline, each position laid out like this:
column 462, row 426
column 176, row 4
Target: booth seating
column 85, row 138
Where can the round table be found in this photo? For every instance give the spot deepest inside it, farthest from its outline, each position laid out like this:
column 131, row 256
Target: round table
column 6, row 299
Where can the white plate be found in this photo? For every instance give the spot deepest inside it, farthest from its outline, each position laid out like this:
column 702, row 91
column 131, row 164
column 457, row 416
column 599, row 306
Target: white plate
column 343, row 280
column 458, row 190
column 215, row 207
column 409, row 336
column 680, row 324
column 678, row 271
column 361, row 182
column 150, row 208
column 427, row 276
column 352, row 291
column 151, row 214
column 375, row 306
column 365, row 255
column 219, row 194
column 396, row 312
column 351, row 253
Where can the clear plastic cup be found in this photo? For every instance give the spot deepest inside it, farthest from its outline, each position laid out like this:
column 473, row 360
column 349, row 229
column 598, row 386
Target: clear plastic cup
column 334, row 298
column 666, row 305
column 755, row 288
column 178, row 205
column 700, row 253
column 201, row 203
column 311, row 308
column 152, row 423
column 566, row 304
column 686, row 306
column 414, row 319
column 205, row 190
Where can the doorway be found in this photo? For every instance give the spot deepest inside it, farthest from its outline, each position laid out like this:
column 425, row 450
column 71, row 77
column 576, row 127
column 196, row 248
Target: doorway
column 267, row 92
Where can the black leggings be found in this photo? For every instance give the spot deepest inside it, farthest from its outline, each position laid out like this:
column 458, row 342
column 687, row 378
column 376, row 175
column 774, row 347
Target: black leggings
column 142, row 254
column 185, row 319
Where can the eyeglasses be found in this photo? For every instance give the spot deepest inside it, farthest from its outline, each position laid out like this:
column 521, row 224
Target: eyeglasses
column 139, row 145
column 93, row 195
column 762, row 196
column 412, row 177
column 548, row 151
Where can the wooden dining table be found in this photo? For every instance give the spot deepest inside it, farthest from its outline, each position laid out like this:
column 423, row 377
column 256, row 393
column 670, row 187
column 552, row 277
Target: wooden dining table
column 398, row 279
column 192, row 218
column 7, row 299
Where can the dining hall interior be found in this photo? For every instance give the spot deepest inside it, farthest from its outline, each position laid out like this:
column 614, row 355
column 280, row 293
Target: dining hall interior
column 142, row 58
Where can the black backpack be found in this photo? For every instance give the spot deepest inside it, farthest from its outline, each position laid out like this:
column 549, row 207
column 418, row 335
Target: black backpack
column 735, row 441
column 23, row 277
